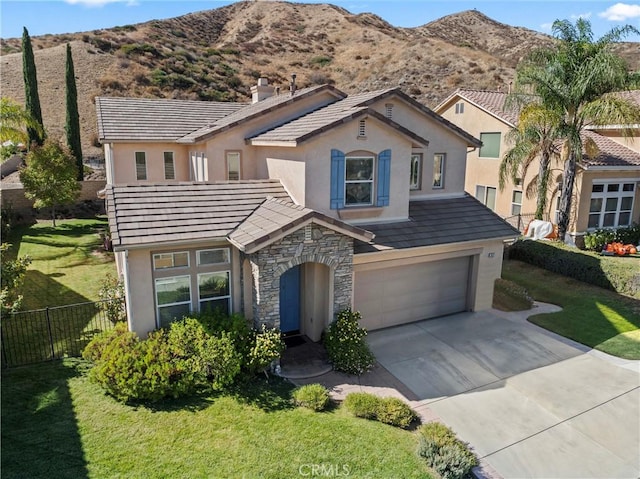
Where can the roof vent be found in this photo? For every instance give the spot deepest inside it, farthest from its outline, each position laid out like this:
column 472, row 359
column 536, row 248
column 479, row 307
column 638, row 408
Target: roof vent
column 261, row 91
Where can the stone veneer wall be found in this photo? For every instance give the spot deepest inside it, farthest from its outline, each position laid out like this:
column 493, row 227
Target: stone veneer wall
column 327, row 247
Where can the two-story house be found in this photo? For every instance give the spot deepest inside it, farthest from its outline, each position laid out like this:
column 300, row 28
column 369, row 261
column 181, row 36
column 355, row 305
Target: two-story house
column 294, row 207
column 607, row 185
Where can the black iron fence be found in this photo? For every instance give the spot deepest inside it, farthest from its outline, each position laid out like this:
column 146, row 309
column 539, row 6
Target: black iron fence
column 520, row 222
column 52, row 333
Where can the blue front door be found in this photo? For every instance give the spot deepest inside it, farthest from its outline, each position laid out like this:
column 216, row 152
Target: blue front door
column 290, row 300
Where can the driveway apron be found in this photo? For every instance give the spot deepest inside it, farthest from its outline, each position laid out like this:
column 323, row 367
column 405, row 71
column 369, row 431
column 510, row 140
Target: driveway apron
column 530, row 403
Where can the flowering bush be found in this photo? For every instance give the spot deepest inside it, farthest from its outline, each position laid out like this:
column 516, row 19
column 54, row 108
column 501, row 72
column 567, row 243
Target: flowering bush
column 111, row 294
column 346, row 346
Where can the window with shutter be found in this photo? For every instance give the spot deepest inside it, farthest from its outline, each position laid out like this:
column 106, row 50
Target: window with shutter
column 141, row 165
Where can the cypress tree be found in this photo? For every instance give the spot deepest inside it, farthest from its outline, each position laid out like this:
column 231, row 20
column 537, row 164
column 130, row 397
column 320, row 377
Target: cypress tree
column 72, row 126
column 32, row 100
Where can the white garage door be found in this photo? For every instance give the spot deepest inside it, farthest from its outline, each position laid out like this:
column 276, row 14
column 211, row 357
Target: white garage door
column 401, row 294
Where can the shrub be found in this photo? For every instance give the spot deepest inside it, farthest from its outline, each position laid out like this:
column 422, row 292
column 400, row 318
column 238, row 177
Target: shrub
column 111, row 295
column 362, row 405
column 312, row 396
column 444, row 452
column 597, row 240
column 388, row 410
column 616, row 274
column 173, row 362
column 396, row 412
column 346, row 347
column 267, row 347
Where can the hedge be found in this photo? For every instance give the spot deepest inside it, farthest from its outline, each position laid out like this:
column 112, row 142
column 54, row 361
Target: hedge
column 617, row 274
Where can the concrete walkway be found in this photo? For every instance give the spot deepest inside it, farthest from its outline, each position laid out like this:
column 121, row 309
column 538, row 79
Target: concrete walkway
column 531, row 403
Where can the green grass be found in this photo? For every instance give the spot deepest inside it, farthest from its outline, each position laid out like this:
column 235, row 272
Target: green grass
column 593, row 316
column 57, row 424
column 509, row 296
column 68, row 261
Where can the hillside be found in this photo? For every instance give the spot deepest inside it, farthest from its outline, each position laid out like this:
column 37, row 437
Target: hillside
column 219, row 54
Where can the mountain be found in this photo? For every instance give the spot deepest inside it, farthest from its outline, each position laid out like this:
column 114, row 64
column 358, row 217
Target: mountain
column 219, row 54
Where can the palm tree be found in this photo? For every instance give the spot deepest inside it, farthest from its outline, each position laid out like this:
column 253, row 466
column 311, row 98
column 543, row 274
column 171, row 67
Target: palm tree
column 534, row 137
column 575, row 79
column 14, row 121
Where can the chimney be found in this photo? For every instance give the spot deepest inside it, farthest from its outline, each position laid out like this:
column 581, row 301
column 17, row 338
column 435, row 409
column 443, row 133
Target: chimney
column 261, row 91
column 293, row 87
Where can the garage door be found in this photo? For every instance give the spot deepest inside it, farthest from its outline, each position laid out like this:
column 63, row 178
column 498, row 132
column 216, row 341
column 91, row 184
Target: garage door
column 401, row 294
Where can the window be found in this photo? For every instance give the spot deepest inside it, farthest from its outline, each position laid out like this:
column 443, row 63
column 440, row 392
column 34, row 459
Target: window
column 171, row 260
column 141, row 165
column 233, row 165
column 416, row 171
column 516, row 202
column 352, row 179
column 212, row 256
column 358, row 185
column 173, row 297
column 169, row 167
column 362, row 129
column 214, row 292
column 459, row 108
column 438, row 170
column 389, row 110
column 487, row 196
column 490, row 145
column 611, row 204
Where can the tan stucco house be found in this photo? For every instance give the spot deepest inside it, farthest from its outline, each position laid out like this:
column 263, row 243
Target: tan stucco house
column 607, row 185
column 294, row 207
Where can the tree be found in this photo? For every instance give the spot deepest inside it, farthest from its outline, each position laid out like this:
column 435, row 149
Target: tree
column 72, row 126
column 11, row 276
column 50, row 177
column 534, row 137
column 31, row 90
column 14, row 121
column 577, row 79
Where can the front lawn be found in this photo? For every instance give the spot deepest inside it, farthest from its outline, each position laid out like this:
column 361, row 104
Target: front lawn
column 597, row 317
column 68, row 261
column 57, row 424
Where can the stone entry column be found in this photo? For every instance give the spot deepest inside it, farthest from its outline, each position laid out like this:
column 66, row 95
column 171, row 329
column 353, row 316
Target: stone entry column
column 326, row 246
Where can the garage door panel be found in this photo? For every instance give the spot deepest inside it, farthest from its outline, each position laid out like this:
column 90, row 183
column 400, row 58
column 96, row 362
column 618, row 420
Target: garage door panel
column 401, row 294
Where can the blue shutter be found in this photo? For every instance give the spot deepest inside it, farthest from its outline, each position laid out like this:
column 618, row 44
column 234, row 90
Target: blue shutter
column 384, row 178
column 337, row 180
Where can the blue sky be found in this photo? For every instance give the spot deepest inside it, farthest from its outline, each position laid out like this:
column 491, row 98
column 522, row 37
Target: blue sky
column 67, row 16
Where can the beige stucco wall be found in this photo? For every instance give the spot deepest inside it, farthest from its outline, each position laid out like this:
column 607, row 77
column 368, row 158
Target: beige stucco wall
column 139, row 281
column 124, row 161
column 441, row 140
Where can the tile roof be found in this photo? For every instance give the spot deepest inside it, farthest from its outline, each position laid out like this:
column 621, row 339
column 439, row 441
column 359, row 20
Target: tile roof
column 491, row 101
column 610, row 153
column 254, row 110
column 349, row 108
column 438, row 221
column 156, row 119
column 169, row 212
column 278, row 216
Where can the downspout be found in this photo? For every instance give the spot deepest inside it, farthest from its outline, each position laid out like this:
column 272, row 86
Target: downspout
column 127, row 289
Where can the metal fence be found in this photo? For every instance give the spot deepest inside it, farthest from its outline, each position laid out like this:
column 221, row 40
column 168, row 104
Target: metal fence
column 52, row 333
column 520, row 222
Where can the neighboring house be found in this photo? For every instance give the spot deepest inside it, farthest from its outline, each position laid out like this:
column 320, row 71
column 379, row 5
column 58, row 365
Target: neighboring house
column 294, row 207
column 607, row 185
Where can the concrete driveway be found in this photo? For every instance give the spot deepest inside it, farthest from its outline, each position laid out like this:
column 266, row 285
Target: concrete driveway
column 530, row 403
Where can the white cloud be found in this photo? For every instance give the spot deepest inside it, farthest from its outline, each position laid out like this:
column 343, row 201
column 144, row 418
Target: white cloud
column 621, row 12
